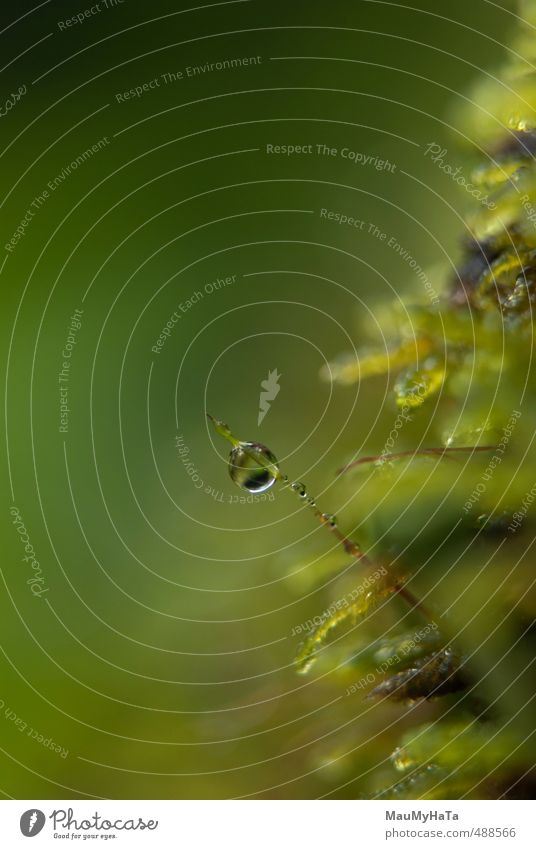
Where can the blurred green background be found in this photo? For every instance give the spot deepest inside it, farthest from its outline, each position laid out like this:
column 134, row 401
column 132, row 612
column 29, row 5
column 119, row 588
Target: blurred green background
column 160, row 655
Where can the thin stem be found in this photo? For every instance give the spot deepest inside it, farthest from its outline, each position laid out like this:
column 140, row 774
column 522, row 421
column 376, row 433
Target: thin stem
column 328, row 520
column 354, row 550
column 438, row 452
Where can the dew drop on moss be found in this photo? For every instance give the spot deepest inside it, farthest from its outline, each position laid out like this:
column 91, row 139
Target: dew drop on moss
column 253, row 467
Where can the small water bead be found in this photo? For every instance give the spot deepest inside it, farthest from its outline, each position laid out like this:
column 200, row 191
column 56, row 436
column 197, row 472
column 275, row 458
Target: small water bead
column 402, row 760
column 523, row 295
column 508, row 281
column 299, row 489
column 415, row 385
column 253, row 467
column 329, row 519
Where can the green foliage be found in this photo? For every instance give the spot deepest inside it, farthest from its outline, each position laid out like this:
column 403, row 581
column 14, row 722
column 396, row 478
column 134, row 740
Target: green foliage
column 415, row 385
column 430, row 677
column 455, row 758
column 445, row 512
column 346, row 611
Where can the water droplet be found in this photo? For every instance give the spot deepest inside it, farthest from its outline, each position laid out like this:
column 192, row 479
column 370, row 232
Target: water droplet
column 401, row 760
column 520, row 123
column 416, row 384
column 299, row 488
column 329, row 519
column 253, row 467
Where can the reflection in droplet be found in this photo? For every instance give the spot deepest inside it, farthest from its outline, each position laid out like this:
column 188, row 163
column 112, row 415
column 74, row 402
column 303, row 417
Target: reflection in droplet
column 253, row 467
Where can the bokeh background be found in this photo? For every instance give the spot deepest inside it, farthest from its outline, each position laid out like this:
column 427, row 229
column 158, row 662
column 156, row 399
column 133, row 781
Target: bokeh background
column 159, row 654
